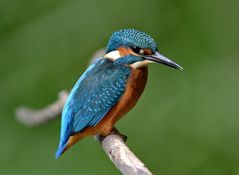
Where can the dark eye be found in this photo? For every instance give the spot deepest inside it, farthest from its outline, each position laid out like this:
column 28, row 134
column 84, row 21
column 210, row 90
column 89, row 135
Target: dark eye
column 136, row 49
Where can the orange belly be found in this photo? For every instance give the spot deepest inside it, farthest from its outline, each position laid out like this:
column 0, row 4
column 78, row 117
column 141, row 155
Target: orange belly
column 135, row 87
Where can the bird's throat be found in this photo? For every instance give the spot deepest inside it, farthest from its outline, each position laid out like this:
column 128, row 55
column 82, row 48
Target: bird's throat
column 140, row 64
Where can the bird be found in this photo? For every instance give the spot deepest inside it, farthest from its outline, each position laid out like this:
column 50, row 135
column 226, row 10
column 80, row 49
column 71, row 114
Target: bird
column 110, row 87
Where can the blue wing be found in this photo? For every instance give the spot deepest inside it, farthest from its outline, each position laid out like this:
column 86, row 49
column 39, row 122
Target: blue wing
column 94, row 94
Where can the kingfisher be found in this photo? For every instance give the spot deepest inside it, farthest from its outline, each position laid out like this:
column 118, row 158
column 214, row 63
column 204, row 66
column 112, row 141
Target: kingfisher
column 110, row 87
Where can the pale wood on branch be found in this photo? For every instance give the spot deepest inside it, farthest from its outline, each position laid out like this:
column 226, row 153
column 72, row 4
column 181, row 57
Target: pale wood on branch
column 31, row 117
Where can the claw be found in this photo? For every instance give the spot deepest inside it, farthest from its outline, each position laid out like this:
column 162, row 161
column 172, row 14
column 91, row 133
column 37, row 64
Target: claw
column 114, row 131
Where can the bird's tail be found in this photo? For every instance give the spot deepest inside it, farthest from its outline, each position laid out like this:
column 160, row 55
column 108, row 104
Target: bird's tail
column 63, row 146
column 61, row 150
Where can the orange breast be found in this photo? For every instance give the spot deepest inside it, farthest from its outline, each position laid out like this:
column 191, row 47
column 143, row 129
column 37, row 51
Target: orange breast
column 135, row 87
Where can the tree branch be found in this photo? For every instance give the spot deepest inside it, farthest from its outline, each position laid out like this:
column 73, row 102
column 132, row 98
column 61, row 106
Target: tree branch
column 116, row 149
column 31, row 117
column 122, row 157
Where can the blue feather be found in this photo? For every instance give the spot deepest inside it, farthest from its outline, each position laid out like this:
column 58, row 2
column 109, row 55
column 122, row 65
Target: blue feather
column 60, row 150
column 131, row 38
column 94, row 94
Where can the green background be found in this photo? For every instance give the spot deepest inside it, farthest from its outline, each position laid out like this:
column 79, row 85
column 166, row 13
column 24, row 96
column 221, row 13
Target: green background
column 185, row 123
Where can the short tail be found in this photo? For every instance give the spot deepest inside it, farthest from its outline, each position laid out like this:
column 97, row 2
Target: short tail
column 60, row 151
column 69, row 142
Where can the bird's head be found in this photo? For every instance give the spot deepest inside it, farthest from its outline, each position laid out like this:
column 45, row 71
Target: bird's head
column 141, row 45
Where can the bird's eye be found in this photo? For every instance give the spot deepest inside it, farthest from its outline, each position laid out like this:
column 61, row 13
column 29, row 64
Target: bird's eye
column 147, row 52
column 136, row 49
column 142, row 51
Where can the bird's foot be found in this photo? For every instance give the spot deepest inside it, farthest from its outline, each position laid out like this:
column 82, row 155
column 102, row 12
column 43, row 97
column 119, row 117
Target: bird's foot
column 114, row 131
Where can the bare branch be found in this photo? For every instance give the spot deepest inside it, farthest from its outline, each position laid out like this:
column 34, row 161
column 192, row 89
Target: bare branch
column 31, row 117
column 122, row 157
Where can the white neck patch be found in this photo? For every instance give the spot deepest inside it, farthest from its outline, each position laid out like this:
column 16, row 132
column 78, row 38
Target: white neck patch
column 114, row 55
column 140, row 64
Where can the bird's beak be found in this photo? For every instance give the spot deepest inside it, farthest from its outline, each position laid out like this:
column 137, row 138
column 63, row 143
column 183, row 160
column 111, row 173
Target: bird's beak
column 157, row 57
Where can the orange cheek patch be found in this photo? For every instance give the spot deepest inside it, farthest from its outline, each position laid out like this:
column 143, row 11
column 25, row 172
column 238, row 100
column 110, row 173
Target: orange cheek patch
column 125, row 51
column 147, row 52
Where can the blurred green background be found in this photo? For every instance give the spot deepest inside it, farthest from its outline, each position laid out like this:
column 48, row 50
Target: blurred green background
column 185, row 123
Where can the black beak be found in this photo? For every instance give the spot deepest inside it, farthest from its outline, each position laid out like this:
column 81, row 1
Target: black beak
column 157, row 57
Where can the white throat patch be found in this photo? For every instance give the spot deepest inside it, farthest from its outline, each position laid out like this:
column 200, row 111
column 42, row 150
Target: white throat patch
column 140, row 64
column 114, row 55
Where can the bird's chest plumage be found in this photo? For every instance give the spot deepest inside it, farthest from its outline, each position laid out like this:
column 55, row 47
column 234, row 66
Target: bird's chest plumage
column 134, row 88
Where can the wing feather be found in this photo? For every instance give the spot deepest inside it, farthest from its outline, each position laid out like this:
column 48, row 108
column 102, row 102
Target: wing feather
column 94, row 94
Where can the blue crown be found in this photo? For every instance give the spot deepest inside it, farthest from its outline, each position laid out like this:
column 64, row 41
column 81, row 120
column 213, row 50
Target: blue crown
column 131, row 38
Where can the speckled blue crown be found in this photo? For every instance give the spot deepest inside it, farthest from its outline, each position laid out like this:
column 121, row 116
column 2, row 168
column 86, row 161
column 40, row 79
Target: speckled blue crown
column 131, row 38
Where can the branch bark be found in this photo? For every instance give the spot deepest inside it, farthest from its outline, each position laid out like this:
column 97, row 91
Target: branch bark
column 122, row 157
column 31, row 118
column 114, row 146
